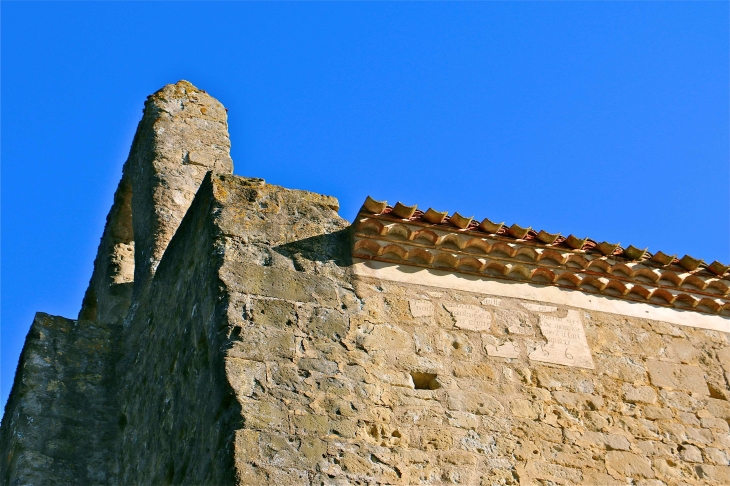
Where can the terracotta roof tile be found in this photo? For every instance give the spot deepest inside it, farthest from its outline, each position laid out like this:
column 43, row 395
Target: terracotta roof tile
column 431, row 216
column 405, row 234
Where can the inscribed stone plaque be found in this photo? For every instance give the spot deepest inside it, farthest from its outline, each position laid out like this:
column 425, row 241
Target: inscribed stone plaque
column 492, row 301
column 538, row 307
column 469, row 317
column 507, row 350
column 566, row 341
column 421, row 308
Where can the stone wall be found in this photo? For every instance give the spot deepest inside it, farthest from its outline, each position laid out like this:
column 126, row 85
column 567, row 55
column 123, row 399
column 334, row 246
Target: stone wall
column 654, row 408
column 285, row 267
column 346, row 379
column 182, row 136
column 56, row 427
column 197, row 343
column 175, row 406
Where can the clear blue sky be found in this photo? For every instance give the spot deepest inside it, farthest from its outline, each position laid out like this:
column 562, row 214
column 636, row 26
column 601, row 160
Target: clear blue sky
column 602, row 119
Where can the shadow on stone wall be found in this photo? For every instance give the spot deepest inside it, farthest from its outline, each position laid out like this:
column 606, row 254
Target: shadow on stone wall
column 333, row 247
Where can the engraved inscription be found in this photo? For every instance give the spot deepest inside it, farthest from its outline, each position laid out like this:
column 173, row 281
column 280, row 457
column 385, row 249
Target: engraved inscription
column 507, row 350
column 492, row 301
column 566, row 341
column 421, row 308
column 469, row 317
column 538, row 307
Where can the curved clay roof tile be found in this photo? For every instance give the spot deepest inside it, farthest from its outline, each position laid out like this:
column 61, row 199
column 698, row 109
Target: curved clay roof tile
column 373, row 206
column 460, row 221
column 606, row 249
column 518, row 231
column 402, row 211
column 547, row 238
column 435, row 217
column 634, row 254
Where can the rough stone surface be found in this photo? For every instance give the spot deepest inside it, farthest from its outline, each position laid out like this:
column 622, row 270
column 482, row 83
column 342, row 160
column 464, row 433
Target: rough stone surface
column 182, row 135
column 56, row 427
column 249, row 352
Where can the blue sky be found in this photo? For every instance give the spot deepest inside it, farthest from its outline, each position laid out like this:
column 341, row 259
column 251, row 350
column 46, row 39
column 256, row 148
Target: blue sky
column 601, row 119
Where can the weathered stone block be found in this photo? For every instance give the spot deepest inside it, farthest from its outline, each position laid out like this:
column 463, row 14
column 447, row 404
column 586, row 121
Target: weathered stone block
column 716, row 456
column 658, row 413
column 524, row 409
column 677, row 376
column 719, row 474
column 715, row 423
column 476, row 403
column 622, row 465
column 718, row 408
column 279, row 283
column 328, row 323
column 384, row 337
column 261, row 344
column 690, row 453
column 640, row 394
column 244, row 375
column 436, row 439
column 264, row 415
column 549, row 472
column 568, row 379
column 271, row 313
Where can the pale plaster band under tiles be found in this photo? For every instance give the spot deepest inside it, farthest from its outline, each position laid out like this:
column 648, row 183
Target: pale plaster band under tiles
column 525, row 291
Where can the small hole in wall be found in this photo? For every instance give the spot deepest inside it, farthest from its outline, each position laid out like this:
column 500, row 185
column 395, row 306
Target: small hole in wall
column 425, row 381
column 455, row 345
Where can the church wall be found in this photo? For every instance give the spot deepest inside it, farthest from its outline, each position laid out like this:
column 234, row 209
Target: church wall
column 651, row 406
column 346, row 378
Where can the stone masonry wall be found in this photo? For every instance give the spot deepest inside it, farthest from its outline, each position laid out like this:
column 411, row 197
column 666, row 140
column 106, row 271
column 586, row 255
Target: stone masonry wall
column 341, row 379
column 654, row 410
column 188, row 343
column 176, row 410
column 56, row 428
column 285, row 268
column 351, row 380
column 182, row 135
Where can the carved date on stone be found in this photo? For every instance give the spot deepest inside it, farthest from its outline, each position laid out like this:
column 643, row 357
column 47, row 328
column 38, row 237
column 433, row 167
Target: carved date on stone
column 566, row 341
